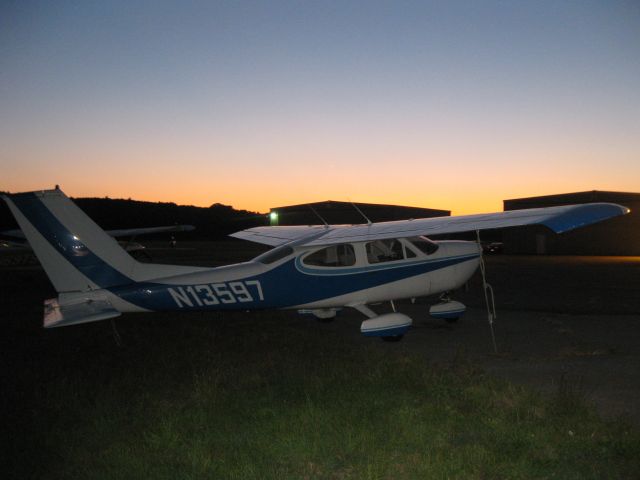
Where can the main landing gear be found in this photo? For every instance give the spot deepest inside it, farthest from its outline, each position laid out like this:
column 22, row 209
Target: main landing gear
column 448, row 310
column 391, row 327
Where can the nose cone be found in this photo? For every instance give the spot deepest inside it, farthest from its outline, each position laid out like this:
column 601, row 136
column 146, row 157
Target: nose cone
column 468, row 268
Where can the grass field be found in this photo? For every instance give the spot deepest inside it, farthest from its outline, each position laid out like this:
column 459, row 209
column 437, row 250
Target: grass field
column 272, row 395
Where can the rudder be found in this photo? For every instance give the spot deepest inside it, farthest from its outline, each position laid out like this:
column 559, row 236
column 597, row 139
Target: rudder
column 75, row 252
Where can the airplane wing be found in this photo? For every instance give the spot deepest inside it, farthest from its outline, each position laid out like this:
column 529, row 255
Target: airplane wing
column 275, row 236
column 127, row 232
column 131, row 232
column 559, row 219
column 13, row 235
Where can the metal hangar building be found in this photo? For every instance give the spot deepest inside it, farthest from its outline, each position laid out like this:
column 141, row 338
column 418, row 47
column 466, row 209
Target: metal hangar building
column 617, row 236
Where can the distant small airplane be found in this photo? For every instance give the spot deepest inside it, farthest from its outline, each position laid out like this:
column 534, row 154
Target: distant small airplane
column 15, row 241
column 320, row 269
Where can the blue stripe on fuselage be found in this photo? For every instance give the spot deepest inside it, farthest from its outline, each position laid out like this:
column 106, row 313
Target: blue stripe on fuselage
column 283, row 286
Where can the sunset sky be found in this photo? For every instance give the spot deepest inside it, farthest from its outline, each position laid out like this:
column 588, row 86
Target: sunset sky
column 454, row 104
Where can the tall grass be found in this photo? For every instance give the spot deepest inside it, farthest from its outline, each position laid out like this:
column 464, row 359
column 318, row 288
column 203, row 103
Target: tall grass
column 269, row 396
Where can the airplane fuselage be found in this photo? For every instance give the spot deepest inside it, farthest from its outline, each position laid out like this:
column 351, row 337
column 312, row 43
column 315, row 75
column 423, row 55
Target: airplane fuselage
column 291, row 282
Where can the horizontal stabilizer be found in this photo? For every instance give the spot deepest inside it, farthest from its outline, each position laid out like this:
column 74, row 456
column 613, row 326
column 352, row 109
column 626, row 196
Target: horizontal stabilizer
column 56, row 315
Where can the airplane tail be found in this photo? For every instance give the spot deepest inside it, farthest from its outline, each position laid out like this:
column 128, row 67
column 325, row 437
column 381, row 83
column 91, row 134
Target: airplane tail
column 82, row 261
column 76, row 254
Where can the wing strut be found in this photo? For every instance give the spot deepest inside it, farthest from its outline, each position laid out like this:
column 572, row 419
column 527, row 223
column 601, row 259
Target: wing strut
column 369, row 222
column 326, row 225
column 488, row 294
column 116, row 334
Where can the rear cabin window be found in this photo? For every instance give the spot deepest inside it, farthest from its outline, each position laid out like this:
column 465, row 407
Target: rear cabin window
column 384, row 251
column 341, row 255
column 425, row 245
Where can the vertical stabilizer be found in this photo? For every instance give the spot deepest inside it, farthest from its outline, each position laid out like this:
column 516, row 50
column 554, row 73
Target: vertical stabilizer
column 76, row 254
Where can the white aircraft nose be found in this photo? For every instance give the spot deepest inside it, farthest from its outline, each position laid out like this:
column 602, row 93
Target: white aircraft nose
column 475, row 247
column 467, row 268
column 458, row 248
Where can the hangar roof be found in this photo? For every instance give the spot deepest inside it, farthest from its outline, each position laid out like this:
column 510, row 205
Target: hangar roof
column 575, row 197
column 336, row 212
column 340, row 204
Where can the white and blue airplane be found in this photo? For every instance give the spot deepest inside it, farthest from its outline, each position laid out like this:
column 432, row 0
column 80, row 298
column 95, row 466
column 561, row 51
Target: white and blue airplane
column 320, row 269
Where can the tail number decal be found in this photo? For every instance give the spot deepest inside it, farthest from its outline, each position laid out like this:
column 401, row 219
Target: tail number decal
column 217, row 293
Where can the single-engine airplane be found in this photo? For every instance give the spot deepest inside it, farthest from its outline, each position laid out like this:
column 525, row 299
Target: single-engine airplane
column 317, row 268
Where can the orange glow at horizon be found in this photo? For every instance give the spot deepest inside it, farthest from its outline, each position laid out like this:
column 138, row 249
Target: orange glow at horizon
column 259, row 194
column 462, row 180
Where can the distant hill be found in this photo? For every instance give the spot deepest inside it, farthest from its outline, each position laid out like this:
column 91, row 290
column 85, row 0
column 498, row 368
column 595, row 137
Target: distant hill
column 216, row 221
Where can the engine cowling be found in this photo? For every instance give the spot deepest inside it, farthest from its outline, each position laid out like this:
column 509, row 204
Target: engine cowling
column 387, row 325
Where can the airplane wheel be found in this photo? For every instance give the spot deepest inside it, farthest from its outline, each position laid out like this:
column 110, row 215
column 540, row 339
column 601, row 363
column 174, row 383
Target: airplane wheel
column 452, row 320
column 394, row 338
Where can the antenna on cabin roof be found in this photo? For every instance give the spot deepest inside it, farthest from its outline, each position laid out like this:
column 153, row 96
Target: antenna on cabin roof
column 360, row 212
column 318, row 215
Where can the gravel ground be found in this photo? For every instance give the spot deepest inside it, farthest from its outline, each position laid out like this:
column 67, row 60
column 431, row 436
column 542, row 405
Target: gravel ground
column 594, row 356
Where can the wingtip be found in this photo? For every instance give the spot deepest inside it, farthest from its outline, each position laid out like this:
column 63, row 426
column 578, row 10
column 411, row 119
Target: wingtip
column 621, row 208
column 585, row 214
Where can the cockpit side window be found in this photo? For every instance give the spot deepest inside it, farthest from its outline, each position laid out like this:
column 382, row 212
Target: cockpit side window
column 384, row 251
column 408, row 252
column 425, row 245
column 342, row 255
